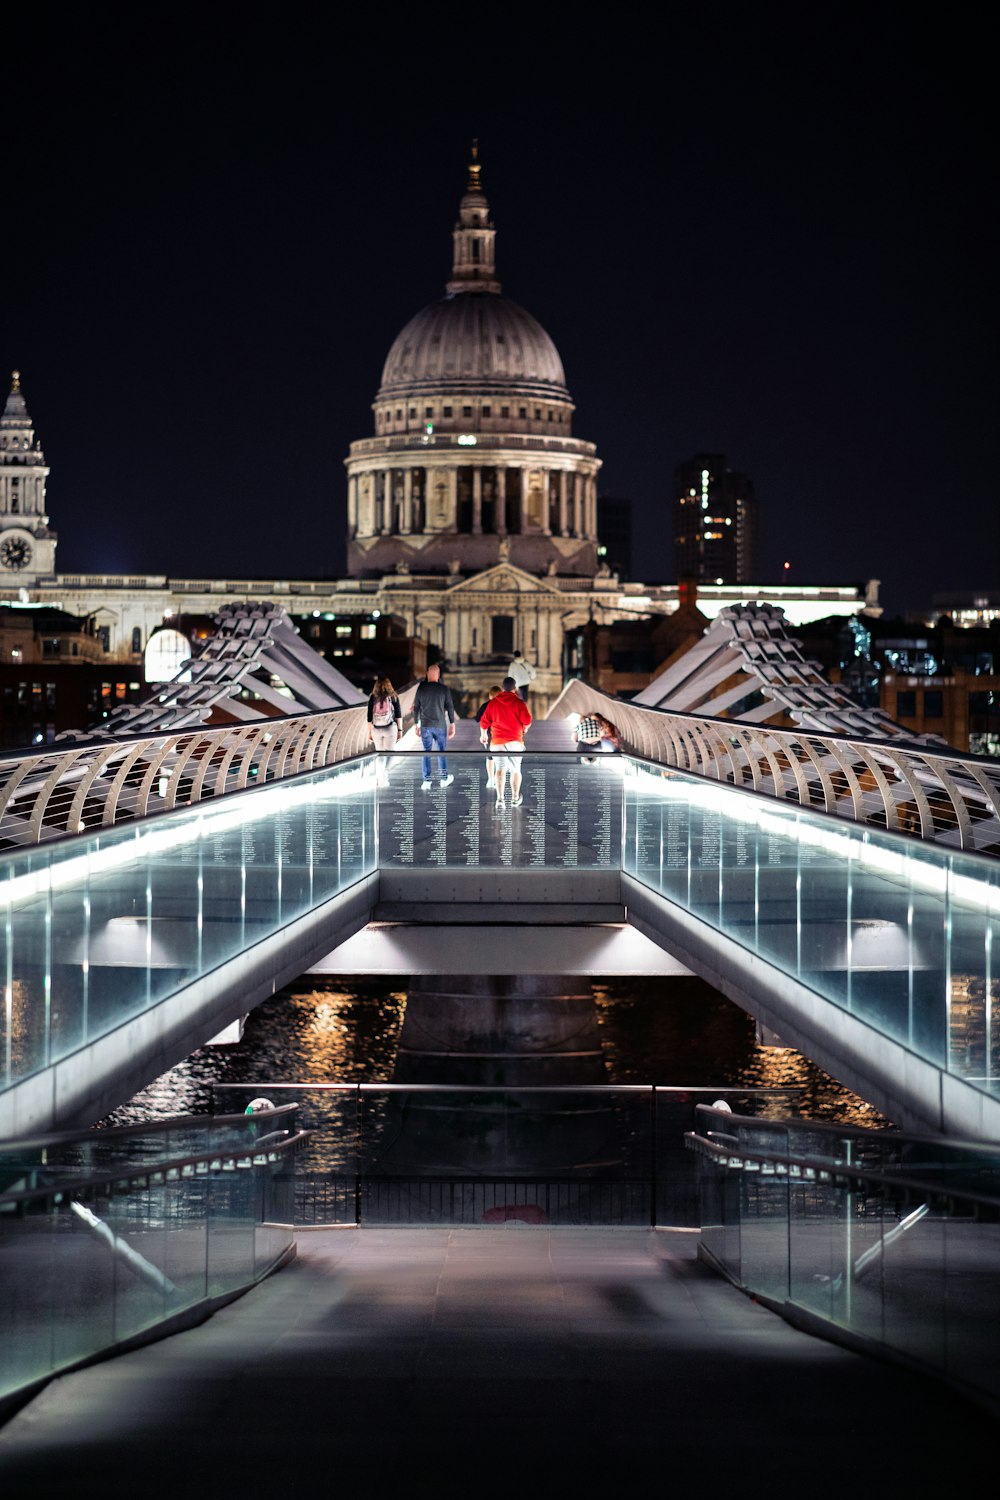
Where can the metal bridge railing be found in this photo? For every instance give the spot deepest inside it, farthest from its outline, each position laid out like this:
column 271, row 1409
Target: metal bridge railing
column 50, row 793
column 113, row 1236
column 882, row 1240
column 936, row 795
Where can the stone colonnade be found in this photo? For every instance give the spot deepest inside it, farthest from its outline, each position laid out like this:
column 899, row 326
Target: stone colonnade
column 413, row 499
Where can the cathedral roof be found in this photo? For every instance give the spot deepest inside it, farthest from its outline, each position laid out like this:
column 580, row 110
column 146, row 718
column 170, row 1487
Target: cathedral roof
column 473, row 339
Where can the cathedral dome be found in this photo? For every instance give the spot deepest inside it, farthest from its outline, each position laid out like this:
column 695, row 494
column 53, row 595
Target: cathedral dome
column 473, row 341
column 473, row 459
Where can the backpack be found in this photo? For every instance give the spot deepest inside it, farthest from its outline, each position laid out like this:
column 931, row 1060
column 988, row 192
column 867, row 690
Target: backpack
column 382, row 714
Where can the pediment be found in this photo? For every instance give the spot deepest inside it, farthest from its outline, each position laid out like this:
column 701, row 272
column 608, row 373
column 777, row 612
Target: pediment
column 504, row 578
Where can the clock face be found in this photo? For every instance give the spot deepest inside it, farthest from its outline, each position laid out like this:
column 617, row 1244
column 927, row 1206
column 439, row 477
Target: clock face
column 15, row 552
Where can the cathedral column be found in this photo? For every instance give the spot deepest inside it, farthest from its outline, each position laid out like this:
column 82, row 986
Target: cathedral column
column 577, row 502
column 452, row 499
column 477, row 500
column 592, row 506
column 407, row 526
column 501, row 502
column 562, row 501
column 555, row 634
column 352, row 505
column 387, row 502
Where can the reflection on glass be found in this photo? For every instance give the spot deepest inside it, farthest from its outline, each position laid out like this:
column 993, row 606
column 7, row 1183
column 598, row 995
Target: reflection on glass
column 902, row 934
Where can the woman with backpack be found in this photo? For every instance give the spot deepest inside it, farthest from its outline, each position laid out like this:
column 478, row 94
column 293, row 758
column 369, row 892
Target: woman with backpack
column 385, row 722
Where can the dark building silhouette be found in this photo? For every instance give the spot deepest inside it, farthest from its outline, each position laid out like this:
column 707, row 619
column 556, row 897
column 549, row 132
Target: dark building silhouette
column 715, row 521
column 614, row 532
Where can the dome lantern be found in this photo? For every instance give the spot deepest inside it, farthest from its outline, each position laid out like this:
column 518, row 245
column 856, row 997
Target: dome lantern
column 474, row 267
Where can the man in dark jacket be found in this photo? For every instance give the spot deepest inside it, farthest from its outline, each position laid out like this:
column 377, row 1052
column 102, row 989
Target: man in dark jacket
column 434, row 718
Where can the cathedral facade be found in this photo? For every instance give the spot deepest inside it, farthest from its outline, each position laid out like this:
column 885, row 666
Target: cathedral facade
column 473, row 460
column 471, row 511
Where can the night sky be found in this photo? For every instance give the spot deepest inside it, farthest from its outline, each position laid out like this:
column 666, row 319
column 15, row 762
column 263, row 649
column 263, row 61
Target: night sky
column 764, row 231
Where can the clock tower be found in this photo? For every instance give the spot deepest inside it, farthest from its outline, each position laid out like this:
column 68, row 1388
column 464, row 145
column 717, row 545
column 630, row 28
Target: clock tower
column 27, row 546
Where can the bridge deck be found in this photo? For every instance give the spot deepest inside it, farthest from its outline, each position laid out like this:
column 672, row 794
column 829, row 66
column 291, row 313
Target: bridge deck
column 439, row 1362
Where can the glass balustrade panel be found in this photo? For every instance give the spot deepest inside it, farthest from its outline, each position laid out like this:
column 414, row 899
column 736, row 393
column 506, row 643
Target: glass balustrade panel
column 99, row 927
column 568, row 817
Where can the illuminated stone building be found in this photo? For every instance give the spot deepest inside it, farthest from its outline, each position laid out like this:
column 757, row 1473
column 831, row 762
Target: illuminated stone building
column 471, row 512
column 473, row 461
column 27, row 546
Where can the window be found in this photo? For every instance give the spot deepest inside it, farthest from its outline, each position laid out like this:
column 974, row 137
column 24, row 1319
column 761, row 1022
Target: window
column 413, row 411
column 345, row 630
column 367, row 632
column 487, row 411
column 446, row 411
column 522, row 411
column 505, row 411
column 466, row 411
column 538, row 413
column 906, row 705
column 503, row 635
column 136, row 638
column 50, row 648
column 933, row 703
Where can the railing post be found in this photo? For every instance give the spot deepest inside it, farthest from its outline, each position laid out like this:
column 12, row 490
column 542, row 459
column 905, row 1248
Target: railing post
column 652, row 1156
column 358, row 1139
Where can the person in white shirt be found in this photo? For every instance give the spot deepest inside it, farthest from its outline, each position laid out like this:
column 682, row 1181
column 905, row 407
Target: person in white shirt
column 523, row 674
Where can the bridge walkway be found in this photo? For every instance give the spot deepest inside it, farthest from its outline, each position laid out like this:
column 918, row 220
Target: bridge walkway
column 447, row 1361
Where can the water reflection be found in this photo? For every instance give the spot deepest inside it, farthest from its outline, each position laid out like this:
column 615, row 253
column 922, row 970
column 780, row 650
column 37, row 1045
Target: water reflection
column 683, row 1032
column 496, row 1035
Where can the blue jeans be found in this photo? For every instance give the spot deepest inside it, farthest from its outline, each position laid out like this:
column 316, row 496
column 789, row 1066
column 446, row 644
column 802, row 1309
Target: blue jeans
column 434, row 739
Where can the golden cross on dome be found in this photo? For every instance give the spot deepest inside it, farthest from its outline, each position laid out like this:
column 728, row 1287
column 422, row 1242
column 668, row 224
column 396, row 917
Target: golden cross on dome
column 15, row 376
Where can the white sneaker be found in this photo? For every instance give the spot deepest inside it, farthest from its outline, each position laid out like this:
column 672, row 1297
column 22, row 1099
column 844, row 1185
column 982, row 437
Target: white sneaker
column 499, row 804
column 516, row 801
column 447, row 780
column 490, row 782
column 425, row 786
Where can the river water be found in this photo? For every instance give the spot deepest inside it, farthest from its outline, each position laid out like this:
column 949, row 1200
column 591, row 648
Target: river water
column 676, row 1032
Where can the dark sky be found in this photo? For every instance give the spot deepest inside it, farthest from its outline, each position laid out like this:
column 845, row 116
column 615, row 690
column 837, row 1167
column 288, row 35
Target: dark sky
column 767, row 231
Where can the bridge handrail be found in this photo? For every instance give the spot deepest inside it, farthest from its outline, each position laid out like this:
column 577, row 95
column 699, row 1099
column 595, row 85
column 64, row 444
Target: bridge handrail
column 937, row 795
column 918, row 1228
column 51, row 792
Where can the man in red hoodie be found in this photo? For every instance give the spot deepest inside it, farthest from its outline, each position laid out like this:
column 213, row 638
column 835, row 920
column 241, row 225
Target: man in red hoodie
column 502, row 727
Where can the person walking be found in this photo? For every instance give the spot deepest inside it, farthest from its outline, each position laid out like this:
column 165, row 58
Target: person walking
column 523, row 674
column 484, row 735
column 434, row 718
column 503, row 722
column 385, row 723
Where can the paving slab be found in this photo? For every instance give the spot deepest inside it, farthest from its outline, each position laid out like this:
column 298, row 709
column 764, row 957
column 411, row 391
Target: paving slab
column 445, row 1362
